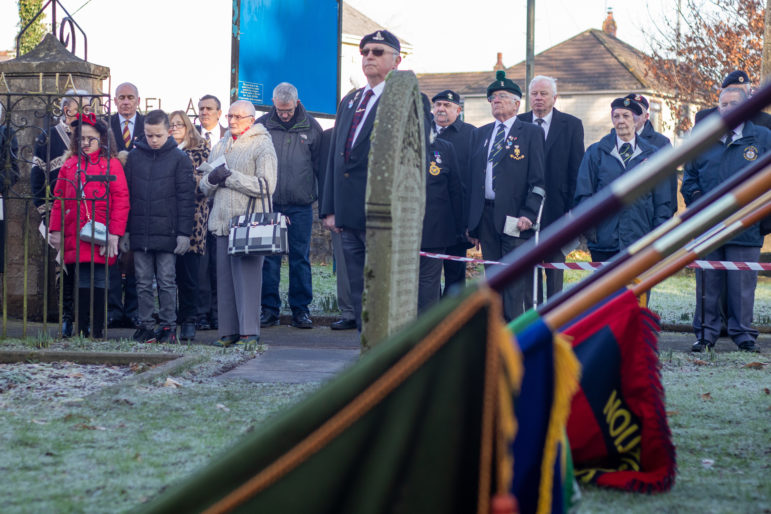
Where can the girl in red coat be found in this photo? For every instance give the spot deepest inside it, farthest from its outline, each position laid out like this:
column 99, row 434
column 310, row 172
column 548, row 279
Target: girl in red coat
column 90, row 156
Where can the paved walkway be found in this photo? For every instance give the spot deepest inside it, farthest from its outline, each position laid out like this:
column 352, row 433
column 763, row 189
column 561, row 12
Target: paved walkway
column 294, row 355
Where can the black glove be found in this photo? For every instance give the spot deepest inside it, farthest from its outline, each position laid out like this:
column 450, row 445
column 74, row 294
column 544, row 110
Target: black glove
column 591, row 235
column 219, row 174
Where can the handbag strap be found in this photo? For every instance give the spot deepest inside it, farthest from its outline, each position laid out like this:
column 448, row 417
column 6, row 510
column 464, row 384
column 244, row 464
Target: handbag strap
column 267, row 194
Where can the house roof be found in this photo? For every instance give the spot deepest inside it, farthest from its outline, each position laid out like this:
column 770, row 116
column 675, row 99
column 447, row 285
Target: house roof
column 589, row 61
column 357, row 24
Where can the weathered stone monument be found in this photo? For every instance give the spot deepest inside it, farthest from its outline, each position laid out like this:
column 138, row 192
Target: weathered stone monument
column 395, row 204
column 31, row 87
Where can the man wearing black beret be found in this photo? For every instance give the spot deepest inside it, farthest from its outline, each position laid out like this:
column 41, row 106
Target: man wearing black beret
column 605, row 161
column 345, row 183
column 507, row 185
column 738, row 79
column 449, row 127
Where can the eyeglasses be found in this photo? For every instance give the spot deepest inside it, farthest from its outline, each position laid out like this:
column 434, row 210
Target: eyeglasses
column 87, row 140
column 177, row 125
column 286, row 111
column 501, row 96
column 377, row 52
column 238, row 117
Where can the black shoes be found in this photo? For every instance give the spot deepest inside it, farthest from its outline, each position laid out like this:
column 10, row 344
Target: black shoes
column 144, row 335
column 226, row 341
column 166, row 335
column 748, row 346
column 343, row 324
column 701, row 345
column 187, row 331
column 302, row 320
column 269, row 319
column 66, row 328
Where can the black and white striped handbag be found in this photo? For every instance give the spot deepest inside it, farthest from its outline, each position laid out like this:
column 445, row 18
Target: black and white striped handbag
column 258, row 233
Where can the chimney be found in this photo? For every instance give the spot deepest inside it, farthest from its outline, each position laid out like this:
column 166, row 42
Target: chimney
column 609, row 25
column 499, row 63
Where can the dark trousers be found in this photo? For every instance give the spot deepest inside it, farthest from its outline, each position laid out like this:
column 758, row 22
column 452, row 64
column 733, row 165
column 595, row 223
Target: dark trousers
column 122, row 301
column 554, row 277
column 355, row 250
column 518, row 297
column 68, row 295
column 739, row 296
column 300, row 284
column 600, row 256
column 343, row 284
column 207, row 280
column 430, row 279
column 455, row 272
column 187, row 287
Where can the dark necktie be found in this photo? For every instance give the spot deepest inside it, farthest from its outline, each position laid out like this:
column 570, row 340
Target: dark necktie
column 357, row 117
column 625, row 152
column 208, row 136
column 496, row 153
column 540, row 122
column 729, row 137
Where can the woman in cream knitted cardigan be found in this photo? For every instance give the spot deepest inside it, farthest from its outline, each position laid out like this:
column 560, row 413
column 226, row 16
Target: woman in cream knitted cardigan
column 249, row 153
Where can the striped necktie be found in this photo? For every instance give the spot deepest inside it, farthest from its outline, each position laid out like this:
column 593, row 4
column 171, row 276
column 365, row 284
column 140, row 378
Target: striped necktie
column 357, row 116
column 126, row 134
column 496, row 153
column 625, row 152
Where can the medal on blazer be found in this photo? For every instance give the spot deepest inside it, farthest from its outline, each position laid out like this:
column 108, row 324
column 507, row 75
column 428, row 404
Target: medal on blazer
column 517, row 156
column 355, row 99
column 434, row 169
column 437, row 158
column 750, row 153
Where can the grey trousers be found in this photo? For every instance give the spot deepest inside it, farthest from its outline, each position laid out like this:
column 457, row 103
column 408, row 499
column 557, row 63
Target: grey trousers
column 162, row 266
column 740, row 296
column 518, row 297
column 430, row 279
column 355, row 250
column 343, row 285
column 239, row 291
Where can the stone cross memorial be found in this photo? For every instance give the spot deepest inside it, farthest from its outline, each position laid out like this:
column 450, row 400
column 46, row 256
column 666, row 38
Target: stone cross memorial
column 395, row 203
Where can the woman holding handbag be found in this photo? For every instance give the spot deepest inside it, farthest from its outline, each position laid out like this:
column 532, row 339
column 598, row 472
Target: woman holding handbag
column 90, row 235
column 250, row 161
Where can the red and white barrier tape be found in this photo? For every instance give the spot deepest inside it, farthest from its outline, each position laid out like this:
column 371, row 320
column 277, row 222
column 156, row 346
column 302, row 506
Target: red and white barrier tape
column 591, row 266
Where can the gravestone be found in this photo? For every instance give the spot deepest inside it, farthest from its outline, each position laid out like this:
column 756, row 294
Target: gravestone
column 30, row 89
column 395, row 204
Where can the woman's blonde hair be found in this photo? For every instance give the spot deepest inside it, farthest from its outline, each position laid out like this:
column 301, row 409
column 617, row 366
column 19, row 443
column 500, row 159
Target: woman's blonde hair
column 192, row 138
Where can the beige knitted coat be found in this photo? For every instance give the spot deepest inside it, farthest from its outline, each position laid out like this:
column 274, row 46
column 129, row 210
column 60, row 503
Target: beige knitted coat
column 250, row 156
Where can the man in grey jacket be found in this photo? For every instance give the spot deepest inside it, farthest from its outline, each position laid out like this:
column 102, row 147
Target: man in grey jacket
column 297, row 140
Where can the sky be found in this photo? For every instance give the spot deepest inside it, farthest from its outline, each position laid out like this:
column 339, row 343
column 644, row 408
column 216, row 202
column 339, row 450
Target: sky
column 180, row 49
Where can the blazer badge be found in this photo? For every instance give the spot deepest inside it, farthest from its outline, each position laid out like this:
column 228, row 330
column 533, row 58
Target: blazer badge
column 434, row 169
column 750, row 153
column 517, row 155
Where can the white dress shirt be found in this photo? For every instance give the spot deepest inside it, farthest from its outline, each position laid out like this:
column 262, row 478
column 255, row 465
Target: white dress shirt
column 214, row 134
column 130, row 125
column 489, row 193
column 546, row 122
column 376, row 92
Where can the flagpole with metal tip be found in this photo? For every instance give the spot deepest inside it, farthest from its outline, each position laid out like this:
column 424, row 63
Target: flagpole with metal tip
column 655, row 253
column 623, row 191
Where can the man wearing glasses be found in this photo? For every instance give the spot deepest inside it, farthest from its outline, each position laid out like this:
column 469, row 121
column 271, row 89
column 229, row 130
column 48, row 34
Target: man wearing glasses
column 346, row 179
column 507, row 185
column 297, row 140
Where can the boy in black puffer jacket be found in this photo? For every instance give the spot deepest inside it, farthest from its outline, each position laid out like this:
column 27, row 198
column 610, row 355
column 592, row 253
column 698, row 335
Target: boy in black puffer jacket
column 162, row 199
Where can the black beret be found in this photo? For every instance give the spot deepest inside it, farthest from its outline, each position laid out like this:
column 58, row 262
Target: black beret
column 383, row 37
column 626, row 103
column 503, row 84
column 640, row 99
column 736, row 77
column 448, row 96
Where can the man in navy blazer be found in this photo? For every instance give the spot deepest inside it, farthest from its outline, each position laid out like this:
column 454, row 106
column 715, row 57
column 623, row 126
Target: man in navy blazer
column 564, row 149
column 345, row 183
column 507, row 185
column 127, row 118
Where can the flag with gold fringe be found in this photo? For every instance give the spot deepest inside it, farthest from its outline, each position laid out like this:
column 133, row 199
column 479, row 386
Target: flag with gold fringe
column 542, row 476
column 618, row 428
column 420, row 424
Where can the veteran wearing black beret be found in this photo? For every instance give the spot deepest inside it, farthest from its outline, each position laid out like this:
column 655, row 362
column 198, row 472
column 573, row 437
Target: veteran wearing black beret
column 446, row 108
column 345, row 181
column 507, row 185
column 605, row 161
column 738, row 79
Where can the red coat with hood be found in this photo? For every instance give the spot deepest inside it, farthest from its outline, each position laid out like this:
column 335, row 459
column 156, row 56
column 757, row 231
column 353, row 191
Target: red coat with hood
column 65, row 188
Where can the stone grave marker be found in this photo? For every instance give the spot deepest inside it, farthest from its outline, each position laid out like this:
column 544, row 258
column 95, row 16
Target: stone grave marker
column 395, row 204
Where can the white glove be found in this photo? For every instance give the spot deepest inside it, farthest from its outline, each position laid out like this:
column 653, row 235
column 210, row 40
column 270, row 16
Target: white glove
column 111, row 247
column 55, row 238
column 183, row 245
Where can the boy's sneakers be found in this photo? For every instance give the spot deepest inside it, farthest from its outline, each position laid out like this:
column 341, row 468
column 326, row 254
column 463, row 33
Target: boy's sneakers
column 167, row 335
column 144, row 335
